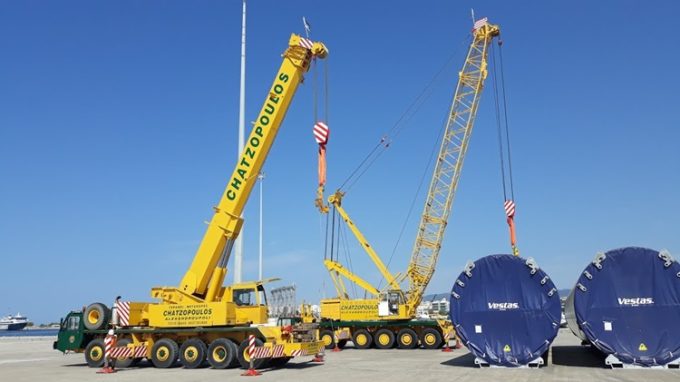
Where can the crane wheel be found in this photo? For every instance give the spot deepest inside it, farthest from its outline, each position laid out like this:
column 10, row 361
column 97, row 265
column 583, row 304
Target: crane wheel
column 235, row 362
column 94, row 353
column 328, row 339
column 384, row 339
column 192, row 353
column 407, row 339
column 164, row 353
column 221, row 353
column 362, row 339
column 126, row 362
column 96, row 316
column 244, row 357
column 431, row 338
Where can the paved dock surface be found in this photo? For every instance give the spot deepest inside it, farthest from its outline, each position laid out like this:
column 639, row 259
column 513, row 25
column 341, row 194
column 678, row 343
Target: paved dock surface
column 32, row 359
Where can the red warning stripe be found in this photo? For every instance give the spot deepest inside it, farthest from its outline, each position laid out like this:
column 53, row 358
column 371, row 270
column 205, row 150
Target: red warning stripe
column 306, row 43
column 321, row 132
column 140, row 351
column 121, row 352
column 262, row 352
column 123, row 308
column 509, row 206
column 299, row 353
column 251, row 346
column 277, row 352
column 109, row 344
column 126, row 352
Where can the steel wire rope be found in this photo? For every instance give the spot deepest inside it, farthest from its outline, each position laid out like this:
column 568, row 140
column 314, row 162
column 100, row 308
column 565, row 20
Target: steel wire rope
column 498, row 120
column 332, row 233
column 426, row 171
column 325, row 88
column 505, row 113
column 315, row 92
column 387, row 139
column 412, row 110
column 348, row 256
column 325, row 244
column 384, row 141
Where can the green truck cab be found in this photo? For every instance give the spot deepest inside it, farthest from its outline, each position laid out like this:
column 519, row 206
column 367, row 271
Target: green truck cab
column 71, row 334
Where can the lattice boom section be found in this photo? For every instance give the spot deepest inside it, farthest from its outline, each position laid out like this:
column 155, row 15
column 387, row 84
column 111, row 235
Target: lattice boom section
column 449, row 164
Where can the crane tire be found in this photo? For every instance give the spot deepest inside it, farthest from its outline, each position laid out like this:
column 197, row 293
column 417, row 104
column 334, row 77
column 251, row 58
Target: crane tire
column 328, row 339
column 125, row 362
column 192, row 353
column 407, row 339
column 221, row 353
column 362, row 339
column 244, row 357
column 96, row 316
column 384, row 339
column 164, row 353
column 94, row 353
column 431, row 338
column 234, row 362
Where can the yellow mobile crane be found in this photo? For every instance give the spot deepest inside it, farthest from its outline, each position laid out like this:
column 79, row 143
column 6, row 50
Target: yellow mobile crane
column 388, row 317
column 201, row 319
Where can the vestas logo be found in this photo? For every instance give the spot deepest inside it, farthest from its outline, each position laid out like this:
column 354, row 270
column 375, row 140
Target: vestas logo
column 636, row 301
column 503, row 305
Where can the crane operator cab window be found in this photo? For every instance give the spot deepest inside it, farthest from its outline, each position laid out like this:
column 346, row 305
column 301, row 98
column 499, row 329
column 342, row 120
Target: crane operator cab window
column 70, row 323
column 250, row 296
column 389, row 303
column 73, row 323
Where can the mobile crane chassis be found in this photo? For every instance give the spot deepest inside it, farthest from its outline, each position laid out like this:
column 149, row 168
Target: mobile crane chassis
column 201, row 320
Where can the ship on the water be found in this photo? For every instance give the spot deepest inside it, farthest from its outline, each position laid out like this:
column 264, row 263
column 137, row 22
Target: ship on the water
column 10, row 322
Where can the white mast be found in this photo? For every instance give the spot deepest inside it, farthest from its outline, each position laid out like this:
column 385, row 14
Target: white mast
column 238, row 247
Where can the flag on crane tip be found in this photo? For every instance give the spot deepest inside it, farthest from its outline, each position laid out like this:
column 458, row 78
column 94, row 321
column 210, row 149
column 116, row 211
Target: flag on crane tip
column 480, row 23
column 308, row 28
column 321, row 133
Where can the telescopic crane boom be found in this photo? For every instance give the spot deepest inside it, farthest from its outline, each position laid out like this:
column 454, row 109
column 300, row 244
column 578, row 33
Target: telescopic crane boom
column 208, row 269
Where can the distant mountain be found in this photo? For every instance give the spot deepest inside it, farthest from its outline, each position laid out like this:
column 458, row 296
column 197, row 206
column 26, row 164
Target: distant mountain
column 436, row 297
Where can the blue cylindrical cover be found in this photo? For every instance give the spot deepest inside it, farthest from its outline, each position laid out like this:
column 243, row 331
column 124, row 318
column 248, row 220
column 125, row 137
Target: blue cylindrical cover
column 629, row 306
column 503, row 313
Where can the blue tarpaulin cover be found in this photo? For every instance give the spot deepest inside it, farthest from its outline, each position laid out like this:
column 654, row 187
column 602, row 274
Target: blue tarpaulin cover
column 503, row 313
column 631, row 306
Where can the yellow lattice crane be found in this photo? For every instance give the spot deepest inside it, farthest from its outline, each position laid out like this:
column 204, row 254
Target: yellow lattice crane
column 388, row 316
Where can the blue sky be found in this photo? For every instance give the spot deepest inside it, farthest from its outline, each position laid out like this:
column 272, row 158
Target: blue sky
column 118, row 129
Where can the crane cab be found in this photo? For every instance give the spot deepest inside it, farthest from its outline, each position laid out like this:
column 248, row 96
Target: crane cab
column 71, row 333
column 391, row 303
column 249, row 299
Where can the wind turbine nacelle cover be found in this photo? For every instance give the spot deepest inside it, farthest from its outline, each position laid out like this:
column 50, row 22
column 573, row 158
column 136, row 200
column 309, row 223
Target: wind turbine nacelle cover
column 505, row 310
